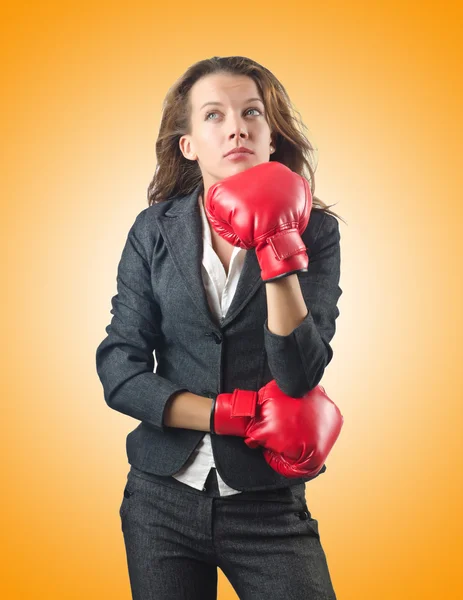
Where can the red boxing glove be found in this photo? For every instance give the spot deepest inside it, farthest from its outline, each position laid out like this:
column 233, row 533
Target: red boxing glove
column 297, row 433
column 266, row 207
column 295, row 469
column 233, row 414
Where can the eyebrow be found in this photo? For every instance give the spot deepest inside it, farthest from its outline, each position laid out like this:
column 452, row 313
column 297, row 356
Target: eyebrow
column 221, row 104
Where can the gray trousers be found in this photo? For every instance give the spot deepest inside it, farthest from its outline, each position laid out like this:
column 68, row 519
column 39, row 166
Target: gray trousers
column 266, row 543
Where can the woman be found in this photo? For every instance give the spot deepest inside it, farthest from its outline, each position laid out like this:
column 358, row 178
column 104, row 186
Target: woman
column 202, row 492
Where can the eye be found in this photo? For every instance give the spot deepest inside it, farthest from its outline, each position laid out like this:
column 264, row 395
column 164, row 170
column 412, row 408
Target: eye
column 214, row 112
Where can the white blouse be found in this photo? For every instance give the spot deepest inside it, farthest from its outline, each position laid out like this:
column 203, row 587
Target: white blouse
column 220, row 289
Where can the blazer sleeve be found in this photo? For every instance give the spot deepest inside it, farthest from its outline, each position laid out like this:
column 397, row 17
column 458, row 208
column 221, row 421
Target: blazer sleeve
column 124, row 359
column 297, row 361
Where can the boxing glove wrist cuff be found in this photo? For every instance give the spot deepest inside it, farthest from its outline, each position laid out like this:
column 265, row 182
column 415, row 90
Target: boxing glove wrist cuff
column 282, row 254
column 232, row 412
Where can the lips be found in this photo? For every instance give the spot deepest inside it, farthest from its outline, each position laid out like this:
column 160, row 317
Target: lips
column 239, row 150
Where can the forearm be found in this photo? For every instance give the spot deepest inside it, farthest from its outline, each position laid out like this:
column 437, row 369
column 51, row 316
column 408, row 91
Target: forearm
column 286, row 306
column 188, row 411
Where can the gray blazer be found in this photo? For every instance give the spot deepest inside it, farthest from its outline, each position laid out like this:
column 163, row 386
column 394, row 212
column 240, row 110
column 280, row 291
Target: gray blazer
column 161, row 310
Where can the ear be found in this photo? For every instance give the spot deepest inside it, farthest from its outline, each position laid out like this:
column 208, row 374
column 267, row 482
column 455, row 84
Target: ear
column 186, row 148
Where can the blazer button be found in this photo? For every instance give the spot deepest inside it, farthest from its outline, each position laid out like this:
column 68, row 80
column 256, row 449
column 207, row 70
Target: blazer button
column 217, row 338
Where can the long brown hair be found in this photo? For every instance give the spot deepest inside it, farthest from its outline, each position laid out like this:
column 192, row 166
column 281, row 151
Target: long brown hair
column 177, row 176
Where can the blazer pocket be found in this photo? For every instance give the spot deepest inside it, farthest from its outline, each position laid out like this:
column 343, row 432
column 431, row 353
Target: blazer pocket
column 128, row 493
column 305, row 515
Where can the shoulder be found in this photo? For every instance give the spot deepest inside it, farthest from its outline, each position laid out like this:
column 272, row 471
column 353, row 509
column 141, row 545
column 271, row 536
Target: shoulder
column 321, row 225
column 145, row 229
column 149, row 214
column 145, row 224
column 143, row 233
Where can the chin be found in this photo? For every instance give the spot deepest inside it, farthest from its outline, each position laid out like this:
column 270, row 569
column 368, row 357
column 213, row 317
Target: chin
column 241, row 165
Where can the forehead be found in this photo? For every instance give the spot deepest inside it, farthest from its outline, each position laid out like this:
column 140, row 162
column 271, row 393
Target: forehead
column 222, row 88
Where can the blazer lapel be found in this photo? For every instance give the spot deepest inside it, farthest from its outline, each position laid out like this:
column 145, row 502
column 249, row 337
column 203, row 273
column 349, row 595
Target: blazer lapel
column 181, row 228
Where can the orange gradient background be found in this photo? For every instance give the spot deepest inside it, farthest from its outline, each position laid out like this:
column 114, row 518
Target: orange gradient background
column 379, row 88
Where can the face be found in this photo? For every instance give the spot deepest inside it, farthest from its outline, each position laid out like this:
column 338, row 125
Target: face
column 217, row 128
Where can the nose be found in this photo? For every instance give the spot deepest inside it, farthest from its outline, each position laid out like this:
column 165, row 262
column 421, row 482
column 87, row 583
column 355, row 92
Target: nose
column 240, row 133
column 238, row 130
